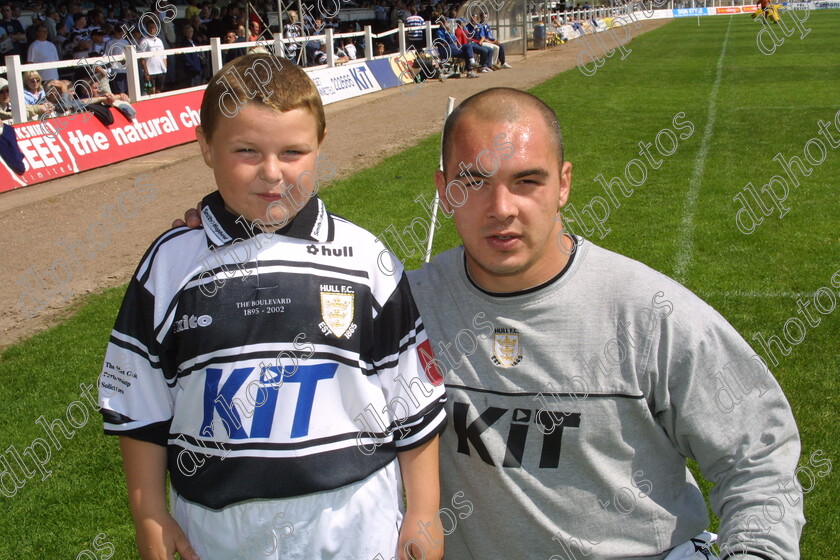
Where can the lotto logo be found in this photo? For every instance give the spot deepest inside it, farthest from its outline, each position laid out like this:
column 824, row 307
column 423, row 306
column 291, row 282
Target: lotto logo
column 327, row 252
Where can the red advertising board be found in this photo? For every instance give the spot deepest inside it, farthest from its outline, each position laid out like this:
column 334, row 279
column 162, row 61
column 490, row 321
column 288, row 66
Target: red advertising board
column 67, row 145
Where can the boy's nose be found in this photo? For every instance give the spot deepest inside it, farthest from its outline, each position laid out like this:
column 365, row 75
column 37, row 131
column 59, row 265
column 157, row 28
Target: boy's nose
column 271, row 170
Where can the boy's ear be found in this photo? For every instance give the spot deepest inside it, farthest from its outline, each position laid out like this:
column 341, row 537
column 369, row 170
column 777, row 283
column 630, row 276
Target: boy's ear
column 204, row 144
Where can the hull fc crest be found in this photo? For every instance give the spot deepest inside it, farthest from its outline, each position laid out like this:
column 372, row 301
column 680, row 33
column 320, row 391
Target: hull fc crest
column 506, row 351
column 337, row 311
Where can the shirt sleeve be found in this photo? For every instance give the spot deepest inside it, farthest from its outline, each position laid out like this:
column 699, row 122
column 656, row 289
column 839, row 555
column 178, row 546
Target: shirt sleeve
column 408, row 372
column 136, row 386
column 720, row 405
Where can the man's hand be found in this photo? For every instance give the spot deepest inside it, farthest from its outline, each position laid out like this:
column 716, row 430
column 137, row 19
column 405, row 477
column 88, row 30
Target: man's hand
column 159, row 538
column 412, row 528
column 192, row 218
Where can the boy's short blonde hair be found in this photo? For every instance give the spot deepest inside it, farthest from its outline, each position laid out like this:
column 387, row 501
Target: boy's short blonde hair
column 288, row 87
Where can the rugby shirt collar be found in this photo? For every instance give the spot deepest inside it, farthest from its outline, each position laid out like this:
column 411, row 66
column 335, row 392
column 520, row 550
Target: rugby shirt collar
column 312, row 223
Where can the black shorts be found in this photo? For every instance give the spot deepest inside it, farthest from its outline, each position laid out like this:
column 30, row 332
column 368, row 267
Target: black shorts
column 157, row 81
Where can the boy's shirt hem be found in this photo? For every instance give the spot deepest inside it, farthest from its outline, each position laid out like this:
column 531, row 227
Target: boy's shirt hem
column 296, row 364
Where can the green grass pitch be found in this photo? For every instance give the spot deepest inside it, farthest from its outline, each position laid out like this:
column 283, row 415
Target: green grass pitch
column 745, row 107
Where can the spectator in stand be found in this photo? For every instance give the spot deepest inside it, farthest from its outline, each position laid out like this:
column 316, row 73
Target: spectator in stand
column 88, row 93
column 312, row 47
column 63, row 98
column 96, row 19
column 116, row 46
column 5, row 101
column 381, row 15
column 41, row 50
column 14, row 29
column 379, row 49
column 192, row 9
column 199, row 31
column 77, row 44
column 292, row 30
column 256, row 31
column 415, row 33
column 204, row 14
column 486, row 33
column 475, row 33
column 51, row 21
column 484, row 53
column 193, row 67
column 154, row 67
column 230, row 54
column 167, row 30
column 60, row 38
column 350, row 48
column 232, row 20
column 70, row 17
column 448, row 47
column 97, row 42
column 215, row 27
column 34, row 96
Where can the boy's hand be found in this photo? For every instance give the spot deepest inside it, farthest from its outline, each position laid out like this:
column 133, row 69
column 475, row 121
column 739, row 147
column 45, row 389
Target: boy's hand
column 421, row 528
column 192, row 218
column 159, row 538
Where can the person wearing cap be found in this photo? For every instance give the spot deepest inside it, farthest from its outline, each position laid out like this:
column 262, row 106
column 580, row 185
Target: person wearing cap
column 97, row 43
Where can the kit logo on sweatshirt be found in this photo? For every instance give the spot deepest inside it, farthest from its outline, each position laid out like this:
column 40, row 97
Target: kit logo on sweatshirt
column 506, row 350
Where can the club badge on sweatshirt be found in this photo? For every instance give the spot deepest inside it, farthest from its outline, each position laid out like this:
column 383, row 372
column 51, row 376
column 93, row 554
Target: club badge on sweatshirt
column 506, row 349
column 337, row 309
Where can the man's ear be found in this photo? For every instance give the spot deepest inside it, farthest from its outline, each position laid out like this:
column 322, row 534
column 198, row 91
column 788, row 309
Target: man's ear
column 440, row 185
column 565, row 183
column 204, row 144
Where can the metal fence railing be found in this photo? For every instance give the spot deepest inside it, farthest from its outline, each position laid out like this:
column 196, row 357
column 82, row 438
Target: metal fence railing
column 14, row 68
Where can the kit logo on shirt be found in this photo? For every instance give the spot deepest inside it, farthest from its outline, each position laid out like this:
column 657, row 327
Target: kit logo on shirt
column 337, row 310
column 506, row 350
column 191, row 322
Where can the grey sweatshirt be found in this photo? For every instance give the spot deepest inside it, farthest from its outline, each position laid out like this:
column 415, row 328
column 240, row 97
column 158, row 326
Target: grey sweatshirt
column 574, row 405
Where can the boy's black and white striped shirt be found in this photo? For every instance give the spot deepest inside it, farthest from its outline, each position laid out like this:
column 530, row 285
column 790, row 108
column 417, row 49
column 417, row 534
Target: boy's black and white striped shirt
column 270, row 365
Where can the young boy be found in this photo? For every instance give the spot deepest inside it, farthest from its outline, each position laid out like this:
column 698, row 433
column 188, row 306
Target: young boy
column 267, row 362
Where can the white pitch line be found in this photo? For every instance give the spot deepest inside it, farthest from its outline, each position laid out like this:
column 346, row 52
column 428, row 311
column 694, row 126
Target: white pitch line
column 686, row 242
column 781, row 107
column 757, row 295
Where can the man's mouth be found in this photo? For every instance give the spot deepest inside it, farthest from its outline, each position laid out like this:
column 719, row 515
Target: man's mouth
column 506, row 241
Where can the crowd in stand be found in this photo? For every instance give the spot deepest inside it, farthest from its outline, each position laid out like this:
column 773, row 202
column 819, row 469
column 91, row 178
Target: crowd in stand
column 68, row 31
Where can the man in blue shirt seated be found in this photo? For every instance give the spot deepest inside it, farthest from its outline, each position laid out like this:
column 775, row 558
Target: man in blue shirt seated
column 448, row 47
column 482, row 33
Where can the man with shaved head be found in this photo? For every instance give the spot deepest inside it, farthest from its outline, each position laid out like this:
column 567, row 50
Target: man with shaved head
column 579, row 381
